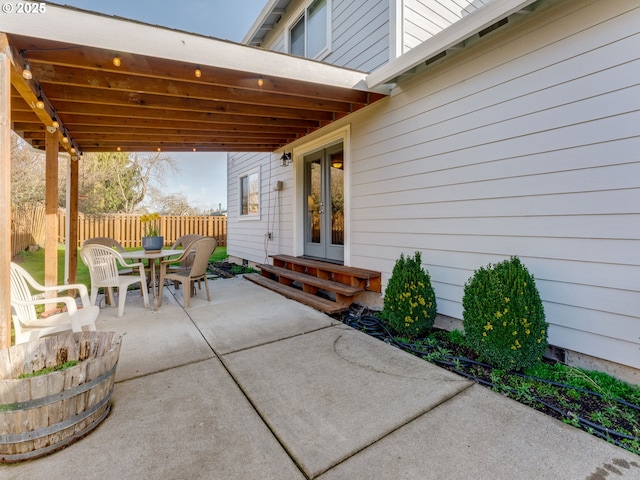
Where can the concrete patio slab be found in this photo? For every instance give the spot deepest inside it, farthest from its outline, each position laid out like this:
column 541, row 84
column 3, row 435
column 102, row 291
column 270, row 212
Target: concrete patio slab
column 481, row 435
column 242, row 315
column 153, row 341
column 294, row 394
column 333, row 392
column 190, row 422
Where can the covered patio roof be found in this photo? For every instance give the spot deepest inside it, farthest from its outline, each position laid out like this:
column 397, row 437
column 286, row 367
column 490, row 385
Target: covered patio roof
column 172, row 90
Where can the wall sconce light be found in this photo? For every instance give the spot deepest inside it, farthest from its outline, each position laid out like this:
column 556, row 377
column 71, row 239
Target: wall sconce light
column 119, row 149
column 159, row 149
column 260, row 82
column 285, row 159
column 116, row 61
column 198, row 72
column 26, row 73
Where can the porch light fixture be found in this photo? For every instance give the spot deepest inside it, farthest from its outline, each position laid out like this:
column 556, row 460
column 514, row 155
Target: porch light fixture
column 116, row 61
column 119, row 149
column 260, row 82
column 54, row 123
column 285, row 159
column 26, row 73
column 198, row 72
column 40, row 102
column 159, row 149
column 65, row 139
column 194, row 149
column 73, row 150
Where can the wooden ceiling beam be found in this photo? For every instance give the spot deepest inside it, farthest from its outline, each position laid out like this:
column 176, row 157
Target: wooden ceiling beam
column 105, row 99
column 167, row 128
column 111, row 81
column 214, row 137
column 66, row 108
column 63, row 54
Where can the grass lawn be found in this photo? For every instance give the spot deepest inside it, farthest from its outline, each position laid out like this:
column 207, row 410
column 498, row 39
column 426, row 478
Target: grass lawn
column 34, row 264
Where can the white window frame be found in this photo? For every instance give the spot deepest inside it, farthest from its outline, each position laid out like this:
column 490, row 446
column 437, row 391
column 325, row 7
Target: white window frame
column 248, row 174
column 301, row 14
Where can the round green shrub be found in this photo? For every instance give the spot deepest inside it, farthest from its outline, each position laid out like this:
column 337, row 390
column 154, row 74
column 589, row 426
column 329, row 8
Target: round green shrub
column 503, row 316
column 409, row 300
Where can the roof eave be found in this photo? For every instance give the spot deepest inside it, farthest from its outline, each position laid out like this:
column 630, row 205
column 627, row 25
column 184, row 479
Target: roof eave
column 74, row 26
column 463, row 29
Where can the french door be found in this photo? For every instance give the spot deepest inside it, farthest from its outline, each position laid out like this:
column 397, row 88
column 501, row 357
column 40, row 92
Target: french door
column 324, row 204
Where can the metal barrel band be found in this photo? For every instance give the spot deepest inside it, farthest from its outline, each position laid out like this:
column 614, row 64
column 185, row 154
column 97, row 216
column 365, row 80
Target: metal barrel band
column 13, row 438
column 57, row 397
column 19, row 457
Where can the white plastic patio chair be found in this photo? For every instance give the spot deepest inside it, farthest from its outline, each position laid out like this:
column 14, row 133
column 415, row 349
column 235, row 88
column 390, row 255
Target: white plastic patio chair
column 109, row 242
column 26, row 323
column 203, row 248
column 103, row 268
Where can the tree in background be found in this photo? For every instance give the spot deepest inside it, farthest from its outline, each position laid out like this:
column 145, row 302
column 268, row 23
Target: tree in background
column 27, row 173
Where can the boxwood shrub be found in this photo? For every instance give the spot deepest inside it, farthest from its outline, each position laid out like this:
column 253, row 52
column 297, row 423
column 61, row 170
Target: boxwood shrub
column 504, row 317
column 409, row 300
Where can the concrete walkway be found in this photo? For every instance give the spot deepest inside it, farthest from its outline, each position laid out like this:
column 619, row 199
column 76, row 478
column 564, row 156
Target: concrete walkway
column 254, row 386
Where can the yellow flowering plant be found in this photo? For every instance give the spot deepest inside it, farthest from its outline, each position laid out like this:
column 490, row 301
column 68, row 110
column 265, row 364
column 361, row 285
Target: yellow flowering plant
column 504, row 317
column 409, row 300
column 150, row 224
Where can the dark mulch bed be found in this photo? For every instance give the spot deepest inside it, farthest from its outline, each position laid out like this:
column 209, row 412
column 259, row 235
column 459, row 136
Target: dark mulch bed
column 587, row 406
column 228, row 270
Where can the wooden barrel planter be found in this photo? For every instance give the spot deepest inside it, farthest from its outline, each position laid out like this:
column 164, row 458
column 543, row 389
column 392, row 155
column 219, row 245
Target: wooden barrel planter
column 44, row 413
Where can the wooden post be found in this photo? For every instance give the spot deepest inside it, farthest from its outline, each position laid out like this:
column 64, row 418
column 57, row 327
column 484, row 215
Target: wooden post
column 5, row 192
column 51, row 210
column 73, row 222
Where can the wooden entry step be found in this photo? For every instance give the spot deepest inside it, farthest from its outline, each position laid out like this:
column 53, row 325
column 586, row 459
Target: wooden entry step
column 304, row 279
column 356, row 277
column 314, row 301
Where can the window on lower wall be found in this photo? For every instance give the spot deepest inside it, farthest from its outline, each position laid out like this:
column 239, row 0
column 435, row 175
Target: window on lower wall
column 250, row 194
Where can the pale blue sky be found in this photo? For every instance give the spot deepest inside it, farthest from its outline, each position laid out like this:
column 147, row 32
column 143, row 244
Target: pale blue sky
column 203, row 176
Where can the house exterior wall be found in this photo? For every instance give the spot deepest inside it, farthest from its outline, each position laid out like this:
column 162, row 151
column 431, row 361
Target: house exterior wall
column 359, row 33
column 247, row 237
column 524, row 144
column 422, row 19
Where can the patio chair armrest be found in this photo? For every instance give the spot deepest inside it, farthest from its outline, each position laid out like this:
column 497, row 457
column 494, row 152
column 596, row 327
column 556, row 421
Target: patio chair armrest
column 69, row 302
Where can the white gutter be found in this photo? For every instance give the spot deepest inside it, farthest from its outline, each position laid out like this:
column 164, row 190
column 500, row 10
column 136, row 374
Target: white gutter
column 449, row 37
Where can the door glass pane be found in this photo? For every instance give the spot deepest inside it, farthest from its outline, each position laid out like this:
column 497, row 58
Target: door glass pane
column 316, row 28
column 337, row 198
column 314, row 202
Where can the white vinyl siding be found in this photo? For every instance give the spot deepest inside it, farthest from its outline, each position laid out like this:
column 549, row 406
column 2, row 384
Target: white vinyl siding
column 359, row 37
column 247, row 239
column 422, row 19
column 524, row 144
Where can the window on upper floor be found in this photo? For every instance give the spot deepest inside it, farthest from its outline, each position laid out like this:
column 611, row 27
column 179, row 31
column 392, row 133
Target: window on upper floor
column 309, row 35
column 250, row 194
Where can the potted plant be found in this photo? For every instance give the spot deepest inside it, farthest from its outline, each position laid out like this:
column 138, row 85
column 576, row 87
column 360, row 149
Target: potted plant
column 151, row 239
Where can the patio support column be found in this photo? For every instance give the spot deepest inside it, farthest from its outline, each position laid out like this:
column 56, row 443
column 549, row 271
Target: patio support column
column 51, row 210
column 72, row 214
column 5, row 191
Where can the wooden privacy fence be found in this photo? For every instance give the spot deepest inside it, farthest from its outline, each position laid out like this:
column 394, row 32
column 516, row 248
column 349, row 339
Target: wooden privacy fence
column 127, row 229
column 27, row 227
